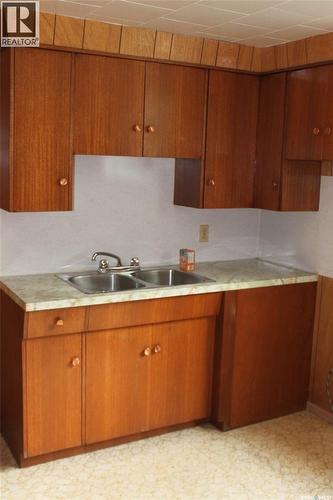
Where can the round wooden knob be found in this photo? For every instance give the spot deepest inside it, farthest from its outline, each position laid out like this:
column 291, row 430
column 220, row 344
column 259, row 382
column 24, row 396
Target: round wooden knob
column 147, row 351
column 75, row 362
column 157, row 348
column 60, row 322
column 328, row 131
column 316, row 131
column 151, row 129
column 211, row 182
column 137, row 128
column 63, row 182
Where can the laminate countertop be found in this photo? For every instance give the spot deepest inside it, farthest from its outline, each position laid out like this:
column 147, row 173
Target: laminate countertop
column 39, row 292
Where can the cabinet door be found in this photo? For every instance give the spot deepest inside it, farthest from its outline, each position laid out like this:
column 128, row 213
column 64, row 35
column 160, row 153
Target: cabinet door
column 267, row 342
column 307, row 94
column 328, row 123
column 231, row 140
column 42, row 156
column 53, row 394
column 108, row 106
column 181, row 372
column 117, row 383
column 174, row 111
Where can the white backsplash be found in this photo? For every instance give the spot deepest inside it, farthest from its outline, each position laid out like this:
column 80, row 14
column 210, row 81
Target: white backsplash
column 301, row 239
column 125, row 206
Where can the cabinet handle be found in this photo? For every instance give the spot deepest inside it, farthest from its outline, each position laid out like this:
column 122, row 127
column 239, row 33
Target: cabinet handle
column 151, row 129
column 60, row 322
column 316, row 131
column 75, row 362
column 147, row 351
column 137, row 128
column 157, row 349
column 275, row 185
column 63, row 182
column 328, row 131
column 211, row 182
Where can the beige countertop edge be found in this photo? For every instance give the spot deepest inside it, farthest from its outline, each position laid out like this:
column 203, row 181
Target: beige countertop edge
column 155, row 293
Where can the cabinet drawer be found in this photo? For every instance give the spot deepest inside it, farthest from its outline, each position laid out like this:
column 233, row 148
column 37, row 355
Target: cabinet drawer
column 144, row 312
column 55, row 322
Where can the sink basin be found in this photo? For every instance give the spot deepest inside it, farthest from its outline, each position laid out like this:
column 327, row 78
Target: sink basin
column 102, row 283
column 169, row 277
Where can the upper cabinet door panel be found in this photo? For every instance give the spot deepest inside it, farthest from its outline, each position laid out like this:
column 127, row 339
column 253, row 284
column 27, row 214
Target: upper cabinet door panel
column 174, row 111
column 42, row 131
column 108, row 106
column 231, row 140
column 328, row 123
column 306, row 106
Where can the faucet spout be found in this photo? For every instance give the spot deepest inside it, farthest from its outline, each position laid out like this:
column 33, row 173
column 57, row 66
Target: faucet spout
column 107, row 254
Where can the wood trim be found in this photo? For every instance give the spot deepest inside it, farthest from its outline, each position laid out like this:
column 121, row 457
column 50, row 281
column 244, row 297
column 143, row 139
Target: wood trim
column 103, row 37
column 327, row 168
column 316, row 410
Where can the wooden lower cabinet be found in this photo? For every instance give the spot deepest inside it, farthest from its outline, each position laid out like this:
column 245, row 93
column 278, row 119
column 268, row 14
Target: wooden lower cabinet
column 265, row 354
column 148, row 377
column 53, row 393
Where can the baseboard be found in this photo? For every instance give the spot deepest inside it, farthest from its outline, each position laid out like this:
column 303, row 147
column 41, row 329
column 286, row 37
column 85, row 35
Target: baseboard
column 320, row 412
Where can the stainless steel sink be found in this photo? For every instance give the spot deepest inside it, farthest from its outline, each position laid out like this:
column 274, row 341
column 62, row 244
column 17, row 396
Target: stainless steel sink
column 94, row 282
column 169, row 277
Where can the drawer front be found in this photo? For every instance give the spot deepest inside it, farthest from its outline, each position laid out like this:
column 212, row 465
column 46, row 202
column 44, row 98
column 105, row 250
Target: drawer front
column 143, row 312
column 55, row 322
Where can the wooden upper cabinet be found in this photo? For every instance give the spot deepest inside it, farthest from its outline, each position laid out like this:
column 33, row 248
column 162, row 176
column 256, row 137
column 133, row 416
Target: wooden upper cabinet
column 231, row 140
column 36, row 157
column 174, row 111
column 310, row 114
column 53, row 394
column 108, row 106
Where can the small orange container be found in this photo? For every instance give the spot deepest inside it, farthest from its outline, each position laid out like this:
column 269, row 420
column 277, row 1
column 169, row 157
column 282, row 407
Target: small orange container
column 186, row 259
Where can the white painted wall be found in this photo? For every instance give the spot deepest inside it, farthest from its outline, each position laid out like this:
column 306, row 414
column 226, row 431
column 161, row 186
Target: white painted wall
column 301, row 239
column 122, row 205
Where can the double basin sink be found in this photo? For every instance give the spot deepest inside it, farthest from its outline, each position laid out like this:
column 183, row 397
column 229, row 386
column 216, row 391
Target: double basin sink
column 96, row 282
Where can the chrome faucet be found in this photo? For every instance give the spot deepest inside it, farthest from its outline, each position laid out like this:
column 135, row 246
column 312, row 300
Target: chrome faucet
column 104, row 265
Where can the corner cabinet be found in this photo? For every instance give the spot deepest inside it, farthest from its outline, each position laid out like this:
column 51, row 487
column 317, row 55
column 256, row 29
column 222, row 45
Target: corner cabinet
column 36, row 131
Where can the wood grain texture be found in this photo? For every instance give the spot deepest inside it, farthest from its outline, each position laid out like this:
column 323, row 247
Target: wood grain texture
column 327, row 168
column 55, row 322
column 227, row 55
column 327, row 126
column 231, row 140
column 272, row 337
column 42, row 130
column 268, row 62
column 270, row 141
column 46, row 28
column 189, row 181
column 256, row 59
column 281, row 57
column 175, row 105
column 11, row 378
column 102, row 37
column 162, row 45
column 323, row 347
column 245, row 56
column 68, row 32
column 107, row 106
column 126, row 314
column 53, row 394
column 137, row 41
column 319, row 48
column 6, row 128
column 186, row 49
column 296, row 53
column 181, row 373
column 300, row 185
column 209, row 52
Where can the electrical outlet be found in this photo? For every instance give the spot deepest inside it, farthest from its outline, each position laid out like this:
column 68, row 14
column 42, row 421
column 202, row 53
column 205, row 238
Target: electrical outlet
column 204, row 233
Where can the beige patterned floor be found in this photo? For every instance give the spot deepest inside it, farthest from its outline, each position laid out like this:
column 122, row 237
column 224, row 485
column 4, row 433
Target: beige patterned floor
column 287, row 458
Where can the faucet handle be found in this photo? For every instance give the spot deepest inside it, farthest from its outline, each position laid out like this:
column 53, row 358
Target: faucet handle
column 135, row 262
